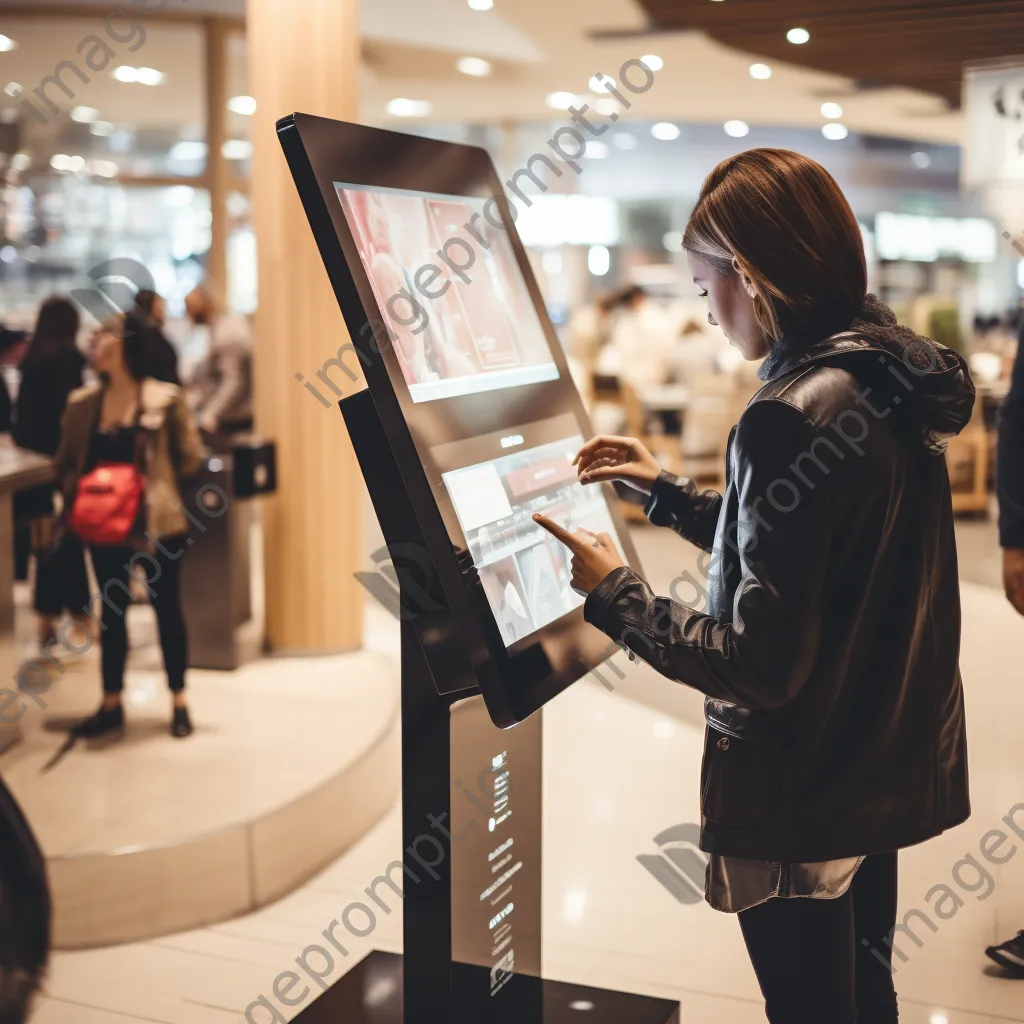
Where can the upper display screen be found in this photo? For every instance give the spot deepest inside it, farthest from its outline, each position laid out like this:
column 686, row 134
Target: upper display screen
column 455, row 301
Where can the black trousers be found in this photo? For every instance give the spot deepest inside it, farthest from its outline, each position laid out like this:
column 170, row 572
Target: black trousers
column 113, row 568
column 814, row 958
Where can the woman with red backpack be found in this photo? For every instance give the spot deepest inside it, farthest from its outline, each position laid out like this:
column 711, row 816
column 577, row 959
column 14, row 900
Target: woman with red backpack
column 125, row 447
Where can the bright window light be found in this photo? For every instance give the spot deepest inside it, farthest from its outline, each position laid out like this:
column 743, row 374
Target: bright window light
column 402, row 107
column 760, row 71
column 596, row 150
column 624, row 140
column 7, row 44
column 798, row 36
column 236, row 149
column 737, row 129
column 665, row 131
column 85, row 115
column 834, row 131
column 561, row 100
column 653, row 61
column 244, row 105
column 833, row 111
column 475, row 67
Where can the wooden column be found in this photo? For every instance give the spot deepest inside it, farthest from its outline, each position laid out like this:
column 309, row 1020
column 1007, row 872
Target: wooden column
column 303, row 56
column 217, row 170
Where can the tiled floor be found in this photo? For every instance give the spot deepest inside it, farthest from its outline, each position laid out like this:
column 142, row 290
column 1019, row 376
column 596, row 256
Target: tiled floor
column 607, row 920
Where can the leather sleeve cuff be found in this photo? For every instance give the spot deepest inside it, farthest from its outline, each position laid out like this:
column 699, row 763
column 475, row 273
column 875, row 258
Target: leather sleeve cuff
column 661, row 489
column 600, row 600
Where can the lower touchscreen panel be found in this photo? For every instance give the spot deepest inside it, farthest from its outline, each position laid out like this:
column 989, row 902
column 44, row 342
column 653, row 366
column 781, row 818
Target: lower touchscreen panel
column 524, row 571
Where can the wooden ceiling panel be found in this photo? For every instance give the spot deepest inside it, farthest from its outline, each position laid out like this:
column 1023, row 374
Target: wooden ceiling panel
column 920, row 44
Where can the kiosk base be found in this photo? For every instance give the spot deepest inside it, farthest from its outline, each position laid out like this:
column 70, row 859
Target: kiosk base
column 371, row 993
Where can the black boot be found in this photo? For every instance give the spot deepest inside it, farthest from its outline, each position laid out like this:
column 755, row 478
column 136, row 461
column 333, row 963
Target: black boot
column 104, row 721
column 1010, row 955
column 181, row 724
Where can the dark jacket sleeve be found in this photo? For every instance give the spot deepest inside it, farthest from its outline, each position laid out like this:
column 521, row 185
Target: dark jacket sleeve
column 1010, row 469
column 676, row 503
column 763, row 656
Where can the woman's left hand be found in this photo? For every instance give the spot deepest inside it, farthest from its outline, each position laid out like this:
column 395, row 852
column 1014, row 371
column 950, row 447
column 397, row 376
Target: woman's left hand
column 593, row 555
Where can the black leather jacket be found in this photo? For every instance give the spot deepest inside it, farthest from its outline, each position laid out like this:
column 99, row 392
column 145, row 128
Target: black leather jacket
column 828, row 649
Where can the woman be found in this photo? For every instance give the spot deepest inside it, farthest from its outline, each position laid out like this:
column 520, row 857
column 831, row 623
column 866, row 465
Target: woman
column 132, row 418
column 828, row 649
column 50, row 370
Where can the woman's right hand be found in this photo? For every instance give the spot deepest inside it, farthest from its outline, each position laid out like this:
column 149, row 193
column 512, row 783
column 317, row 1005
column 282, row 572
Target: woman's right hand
column 606, row 458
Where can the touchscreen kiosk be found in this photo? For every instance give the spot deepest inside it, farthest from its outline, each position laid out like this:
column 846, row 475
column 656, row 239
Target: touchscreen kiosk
column 476, row 406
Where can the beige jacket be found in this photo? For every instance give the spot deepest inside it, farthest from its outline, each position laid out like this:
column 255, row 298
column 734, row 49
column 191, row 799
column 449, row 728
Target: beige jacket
column 173, row 450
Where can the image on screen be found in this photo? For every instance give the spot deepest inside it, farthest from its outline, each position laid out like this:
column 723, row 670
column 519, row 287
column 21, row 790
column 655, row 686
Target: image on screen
column 458, row 327
column 524, row 570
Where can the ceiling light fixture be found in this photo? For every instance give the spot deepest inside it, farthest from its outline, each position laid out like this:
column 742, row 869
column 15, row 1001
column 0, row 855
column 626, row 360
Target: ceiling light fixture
column 834, row 131
column 607, row 106
column 737, row 129
column 601, row 83
column 475, row 67
column 665, row 131
column 13, row 89
column 831, row 110
column 561, row 100
column 21, row 161
column 653, row 61
column 101, row 128
column 244, row 105
column 760, row 71
column 139, row 76
column 85, row 115
column 7, row 44
column 798, row 36
column 403, row 107
column 480, row 5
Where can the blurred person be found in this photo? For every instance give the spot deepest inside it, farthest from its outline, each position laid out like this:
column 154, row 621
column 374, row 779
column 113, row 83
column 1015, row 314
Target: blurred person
column 1010, row 487
column 130, row 418
column 25, row 913
column 589, row 329
column 50, row 370
column 828, row 649
column 642, row 342
column 220, row 391
column 151, row 311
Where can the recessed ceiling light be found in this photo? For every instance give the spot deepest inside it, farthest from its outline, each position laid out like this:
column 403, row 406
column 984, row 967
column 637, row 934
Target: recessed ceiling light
column 85, row 115
column 7, row 44
column 402, row 107
column 101, row 128
column 761, row 71
column 737, row 129
column 596, row 150
column 476, row 67
column 583, row 1005
column 13, row 89
column 798, row 36
column 236, row 149
column 561, row 100
column 834, row 131
column 125, row 73
column 921, row 159
column 244, row 105
column 653, row 61
column 481, row 5
column 601, row 83
column 665, row 131
column 831, row 111
column 624, row 140
column 150, row 76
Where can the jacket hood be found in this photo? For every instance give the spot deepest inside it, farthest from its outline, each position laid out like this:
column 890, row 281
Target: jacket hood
column 929, row 383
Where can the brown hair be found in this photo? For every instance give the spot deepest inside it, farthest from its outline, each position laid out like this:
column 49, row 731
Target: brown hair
column 790, row 229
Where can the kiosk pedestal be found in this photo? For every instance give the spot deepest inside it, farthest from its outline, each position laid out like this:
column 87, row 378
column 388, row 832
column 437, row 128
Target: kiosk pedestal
column 472, row 825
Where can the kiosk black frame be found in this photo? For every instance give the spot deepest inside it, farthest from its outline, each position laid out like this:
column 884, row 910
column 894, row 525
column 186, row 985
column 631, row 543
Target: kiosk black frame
column 471, row 750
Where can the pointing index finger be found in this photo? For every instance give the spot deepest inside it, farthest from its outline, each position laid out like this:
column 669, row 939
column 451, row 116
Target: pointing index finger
column 572, row 542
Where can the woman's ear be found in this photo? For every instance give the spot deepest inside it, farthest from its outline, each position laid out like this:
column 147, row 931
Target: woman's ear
column 748, row 286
